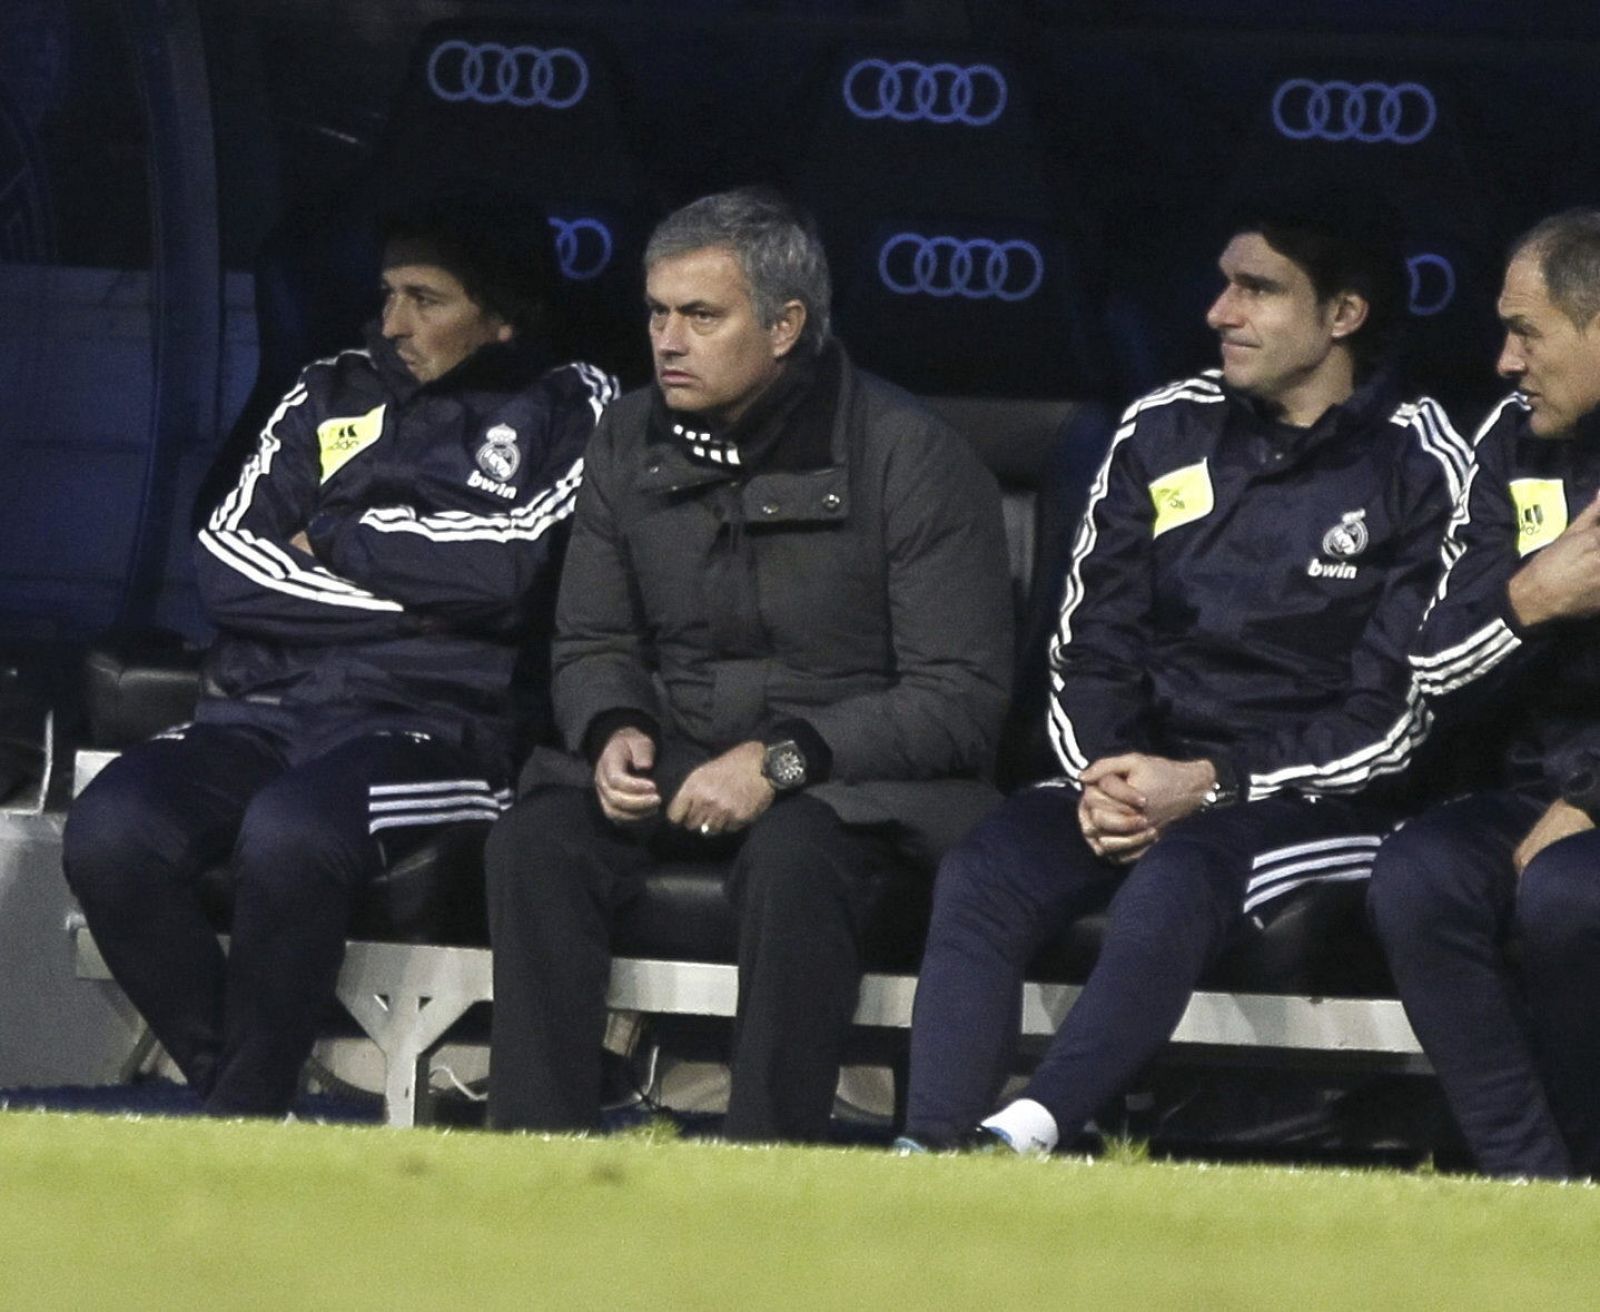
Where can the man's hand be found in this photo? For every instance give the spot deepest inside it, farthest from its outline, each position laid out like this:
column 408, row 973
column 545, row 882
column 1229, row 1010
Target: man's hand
column 301, row 541
column 725, row 794
column 1563, row 580
column 1111, row 815
column 1129, row 800
column 1560, row 820
column 622, row 776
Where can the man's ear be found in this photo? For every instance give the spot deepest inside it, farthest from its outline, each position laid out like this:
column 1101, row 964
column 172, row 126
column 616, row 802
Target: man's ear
column 1350, row 310
column 786, row 328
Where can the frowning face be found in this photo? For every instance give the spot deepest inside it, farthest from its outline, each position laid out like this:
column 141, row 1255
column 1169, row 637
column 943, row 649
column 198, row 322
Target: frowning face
column 713, row 355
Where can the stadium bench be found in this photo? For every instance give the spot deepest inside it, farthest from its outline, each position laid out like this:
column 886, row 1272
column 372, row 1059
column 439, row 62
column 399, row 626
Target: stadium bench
column 1310, row 982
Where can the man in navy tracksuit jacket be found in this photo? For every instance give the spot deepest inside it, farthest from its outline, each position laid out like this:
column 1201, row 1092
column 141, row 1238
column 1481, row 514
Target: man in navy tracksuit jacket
column 374, row 576
column 1510, row 657
column 1232, row 698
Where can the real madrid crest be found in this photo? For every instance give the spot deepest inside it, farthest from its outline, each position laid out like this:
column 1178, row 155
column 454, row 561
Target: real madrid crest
column 1348, row 537
column 498, row 457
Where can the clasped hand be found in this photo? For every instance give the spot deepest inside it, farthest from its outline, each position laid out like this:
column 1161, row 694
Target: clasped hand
column 1129, row 800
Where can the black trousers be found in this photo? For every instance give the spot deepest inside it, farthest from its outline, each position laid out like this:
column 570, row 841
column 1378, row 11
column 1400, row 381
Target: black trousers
column 804, row 886
column 303, row 837
column 1501, row 978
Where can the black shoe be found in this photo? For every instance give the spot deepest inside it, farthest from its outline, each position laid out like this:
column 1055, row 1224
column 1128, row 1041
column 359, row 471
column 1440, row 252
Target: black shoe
column 980, row 1140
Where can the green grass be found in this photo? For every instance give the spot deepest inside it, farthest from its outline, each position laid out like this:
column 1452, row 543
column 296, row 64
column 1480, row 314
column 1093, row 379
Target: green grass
column 106, row 1213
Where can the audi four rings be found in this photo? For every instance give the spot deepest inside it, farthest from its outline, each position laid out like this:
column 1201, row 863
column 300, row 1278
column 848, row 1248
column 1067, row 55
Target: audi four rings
column 949, row 266
column 583, row 247
column 909, row 92
column 491, row 74
column 1369, row 112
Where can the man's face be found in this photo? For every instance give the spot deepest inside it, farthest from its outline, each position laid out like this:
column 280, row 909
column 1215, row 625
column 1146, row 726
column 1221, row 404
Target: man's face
column 431, row 320
column 1555, row 364
column 1277, row 337
column 713, row 357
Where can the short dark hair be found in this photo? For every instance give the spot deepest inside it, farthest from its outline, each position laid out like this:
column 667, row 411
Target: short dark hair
column 496, row 243
column 1567, row 246
column 777, row 247
column 1345, row 242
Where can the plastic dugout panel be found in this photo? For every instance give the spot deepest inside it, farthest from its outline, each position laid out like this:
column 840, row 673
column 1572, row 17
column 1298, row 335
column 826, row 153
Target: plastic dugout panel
column 957, row 267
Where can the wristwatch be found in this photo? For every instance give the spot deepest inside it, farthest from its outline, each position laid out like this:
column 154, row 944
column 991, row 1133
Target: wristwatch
column 784, row 766
column 1224, row 792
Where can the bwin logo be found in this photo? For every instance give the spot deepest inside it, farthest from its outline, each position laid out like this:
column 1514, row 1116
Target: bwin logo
column 524, row 76
column 978, row 269
column 1443, row 277
column 909, row 92
column 1368, row 112
column 1347, row 538
column 583, row 248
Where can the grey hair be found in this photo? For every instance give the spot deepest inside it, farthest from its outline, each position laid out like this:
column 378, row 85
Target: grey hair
column 1567, row 247
column 776, row 245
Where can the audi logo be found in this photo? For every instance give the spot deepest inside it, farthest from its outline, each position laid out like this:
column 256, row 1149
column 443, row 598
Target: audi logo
column 583, row 247
column 933, row 93
column 1443, row 278
column 1368, row 112
column 523, row 76
column 949, row 266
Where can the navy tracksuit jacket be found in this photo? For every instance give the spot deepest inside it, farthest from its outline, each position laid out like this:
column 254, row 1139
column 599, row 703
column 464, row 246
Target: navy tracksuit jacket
column 1516, row 1046
column 1246, row 591
column 359, row 696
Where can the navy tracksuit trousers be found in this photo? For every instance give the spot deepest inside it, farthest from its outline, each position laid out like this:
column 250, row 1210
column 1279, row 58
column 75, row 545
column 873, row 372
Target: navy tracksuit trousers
column 1501, row 978
column 304, row 837
column 1026, row 872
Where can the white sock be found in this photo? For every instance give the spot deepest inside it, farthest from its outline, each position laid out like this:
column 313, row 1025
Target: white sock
column 1026, row 1126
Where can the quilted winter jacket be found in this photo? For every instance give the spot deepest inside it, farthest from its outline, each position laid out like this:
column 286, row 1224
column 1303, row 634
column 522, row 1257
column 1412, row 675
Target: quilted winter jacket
column 875, row 605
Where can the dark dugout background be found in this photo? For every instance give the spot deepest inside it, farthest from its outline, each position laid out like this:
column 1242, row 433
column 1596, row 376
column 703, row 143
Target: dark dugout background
column 155, row 155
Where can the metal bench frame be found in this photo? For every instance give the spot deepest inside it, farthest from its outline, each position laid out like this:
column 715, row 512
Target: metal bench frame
column 406, row 998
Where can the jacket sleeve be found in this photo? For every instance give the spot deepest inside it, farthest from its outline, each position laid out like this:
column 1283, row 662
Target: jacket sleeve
column 951, row 624
column 1470, row 645
column 600, row 658
column 1100, row 694
column 1383, row 718
column 250, row 579
column 467, row 569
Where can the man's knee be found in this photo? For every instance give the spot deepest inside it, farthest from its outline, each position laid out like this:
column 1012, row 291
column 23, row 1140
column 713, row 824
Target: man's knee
column 797, row 859
column 1414, row 887
column 115, row 833
column 291, row 848
column 1193, row 872
column 1017, row 857
column 1558, row 899
column 535, row 849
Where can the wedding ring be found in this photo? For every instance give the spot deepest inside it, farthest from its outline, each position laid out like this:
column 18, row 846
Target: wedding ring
column 705, row 831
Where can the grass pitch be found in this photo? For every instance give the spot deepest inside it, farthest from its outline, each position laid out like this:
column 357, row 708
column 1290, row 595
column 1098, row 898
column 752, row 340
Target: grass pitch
column 102, row 1213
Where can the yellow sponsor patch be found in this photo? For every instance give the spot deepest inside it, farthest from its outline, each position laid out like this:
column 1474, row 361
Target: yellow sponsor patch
column 1541, row 505
column 339, row 439
column 1181, row 497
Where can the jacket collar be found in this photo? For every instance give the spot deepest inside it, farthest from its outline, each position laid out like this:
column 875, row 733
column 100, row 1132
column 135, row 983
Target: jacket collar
column 1376, row 398
column 1586, row 430
column 497, row 367
column 798, row 431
